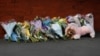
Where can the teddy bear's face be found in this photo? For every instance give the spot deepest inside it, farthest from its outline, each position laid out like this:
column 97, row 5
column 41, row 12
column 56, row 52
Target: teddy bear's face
column 70, row 33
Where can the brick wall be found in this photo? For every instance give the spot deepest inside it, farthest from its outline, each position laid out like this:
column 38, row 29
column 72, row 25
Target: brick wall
column 28, row 9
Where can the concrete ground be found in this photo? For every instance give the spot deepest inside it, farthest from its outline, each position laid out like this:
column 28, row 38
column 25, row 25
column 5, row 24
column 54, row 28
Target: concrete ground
column 83, row 47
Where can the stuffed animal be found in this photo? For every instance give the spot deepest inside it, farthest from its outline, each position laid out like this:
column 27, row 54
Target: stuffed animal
column 79, row 31
column 70, row 33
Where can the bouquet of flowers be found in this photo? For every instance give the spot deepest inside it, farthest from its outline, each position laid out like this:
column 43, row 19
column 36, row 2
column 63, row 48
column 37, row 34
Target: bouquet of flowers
column 8, row 27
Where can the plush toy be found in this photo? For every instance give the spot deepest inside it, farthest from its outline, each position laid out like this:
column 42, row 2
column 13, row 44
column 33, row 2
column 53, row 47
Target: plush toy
column 79, row 31
column 70, row 33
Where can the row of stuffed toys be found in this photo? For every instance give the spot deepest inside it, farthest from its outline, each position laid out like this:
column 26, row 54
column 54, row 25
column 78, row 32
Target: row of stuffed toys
column 46, row 28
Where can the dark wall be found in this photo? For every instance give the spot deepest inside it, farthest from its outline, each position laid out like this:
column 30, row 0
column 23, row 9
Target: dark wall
column 28, row 9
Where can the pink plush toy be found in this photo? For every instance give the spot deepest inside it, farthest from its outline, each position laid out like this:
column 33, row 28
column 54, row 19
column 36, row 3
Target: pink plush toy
column 75, row 30
column 79, row 31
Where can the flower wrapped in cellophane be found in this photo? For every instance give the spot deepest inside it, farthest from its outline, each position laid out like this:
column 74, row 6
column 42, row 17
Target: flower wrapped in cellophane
column 38, row 30
column 26, row 32
column 57, row 29
column 8, row 27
